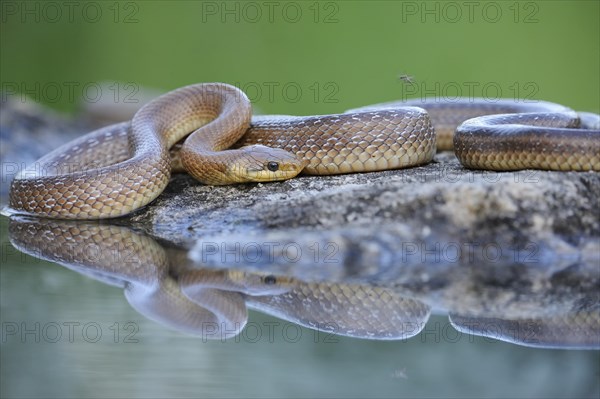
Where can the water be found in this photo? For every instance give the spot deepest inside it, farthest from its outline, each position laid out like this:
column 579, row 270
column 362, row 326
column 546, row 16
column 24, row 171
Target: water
column 83, row 339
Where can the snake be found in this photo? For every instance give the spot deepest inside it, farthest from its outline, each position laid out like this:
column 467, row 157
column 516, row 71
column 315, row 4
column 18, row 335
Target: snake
column 120, row 168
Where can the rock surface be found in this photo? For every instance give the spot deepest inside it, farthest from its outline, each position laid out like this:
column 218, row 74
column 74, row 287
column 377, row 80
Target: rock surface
column 514, row 245
column 441, row 199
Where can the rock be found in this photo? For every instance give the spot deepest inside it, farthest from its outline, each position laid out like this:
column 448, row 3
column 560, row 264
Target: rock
column 28, row 131
column 505, row 245
column 441, row 199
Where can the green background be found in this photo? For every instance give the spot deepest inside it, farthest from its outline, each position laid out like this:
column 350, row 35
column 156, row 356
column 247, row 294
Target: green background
column 341, row 54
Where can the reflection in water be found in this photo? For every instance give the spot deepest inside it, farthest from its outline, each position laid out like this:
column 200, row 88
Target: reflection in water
column 164, row 285
column 577, row 330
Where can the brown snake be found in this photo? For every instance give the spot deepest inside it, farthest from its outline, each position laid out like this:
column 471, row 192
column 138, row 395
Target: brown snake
column 99, row 176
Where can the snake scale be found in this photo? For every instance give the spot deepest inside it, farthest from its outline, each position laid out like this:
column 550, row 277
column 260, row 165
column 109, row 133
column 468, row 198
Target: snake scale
column 120, row 168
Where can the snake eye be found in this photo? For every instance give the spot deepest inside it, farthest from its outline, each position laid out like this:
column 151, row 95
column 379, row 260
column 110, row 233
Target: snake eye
column 273, row 166
column 270, row 279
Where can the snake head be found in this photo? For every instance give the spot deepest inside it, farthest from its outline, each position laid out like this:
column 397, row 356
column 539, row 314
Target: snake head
column 259, row 163
column 256, row 284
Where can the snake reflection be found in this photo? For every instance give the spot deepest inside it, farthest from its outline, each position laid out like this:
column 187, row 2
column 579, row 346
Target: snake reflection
column 164, row 285
column 159, row 284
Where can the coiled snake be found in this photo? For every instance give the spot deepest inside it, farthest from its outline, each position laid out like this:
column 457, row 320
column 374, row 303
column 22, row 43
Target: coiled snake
column 101, row 176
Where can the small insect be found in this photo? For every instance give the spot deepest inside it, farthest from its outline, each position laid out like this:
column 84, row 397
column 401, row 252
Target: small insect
column 408, row 79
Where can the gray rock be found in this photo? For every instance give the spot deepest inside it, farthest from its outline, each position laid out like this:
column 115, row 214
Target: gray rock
column 442, row 197
column 27, row 132
column 504, row 245
column 442, row 200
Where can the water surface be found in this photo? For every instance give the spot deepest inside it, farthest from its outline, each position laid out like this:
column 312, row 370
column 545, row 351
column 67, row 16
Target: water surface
column 113, row 351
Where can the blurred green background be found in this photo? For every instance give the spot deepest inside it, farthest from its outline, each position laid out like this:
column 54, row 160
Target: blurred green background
column 300, row 57
column 339, row 54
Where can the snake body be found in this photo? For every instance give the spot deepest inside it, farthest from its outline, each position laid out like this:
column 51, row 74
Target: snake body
column 508, row 135
column 98, row 176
